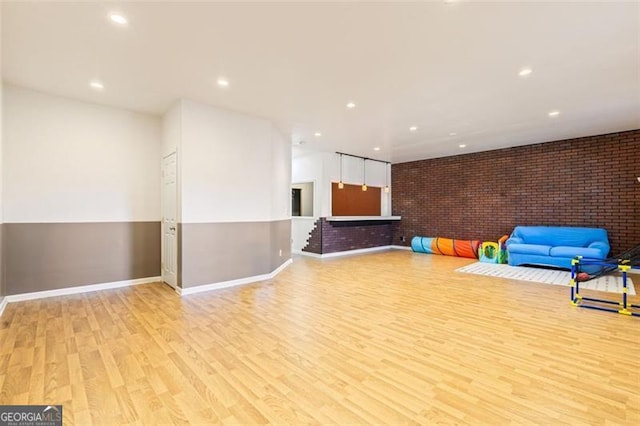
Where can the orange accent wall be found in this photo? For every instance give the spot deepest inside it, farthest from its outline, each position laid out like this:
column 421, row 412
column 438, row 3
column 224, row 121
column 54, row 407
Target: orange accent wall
column 353, row 201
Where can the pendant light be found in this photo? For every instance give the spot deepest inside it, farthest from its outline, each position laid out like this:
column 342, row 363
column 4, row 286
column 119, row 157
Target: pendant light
column 386, row 177
column 340, row 184
column 364, row 174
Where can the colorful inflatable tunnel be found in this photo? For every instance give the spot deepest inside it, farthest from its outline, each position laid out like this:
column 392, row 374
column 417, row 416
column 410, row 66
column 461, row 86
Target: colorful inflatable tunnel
column 446, row 246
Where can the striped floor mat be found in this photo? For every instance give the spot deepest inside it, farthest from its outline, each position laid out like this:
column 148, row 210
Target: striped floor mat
column 610, row 283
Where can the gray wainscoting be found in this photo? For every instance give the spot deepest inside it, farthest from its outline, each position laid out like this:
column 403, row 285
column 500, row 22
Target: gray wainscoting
column 280, row 239
column 3, row 291
column 48, row 256
column 215, row 252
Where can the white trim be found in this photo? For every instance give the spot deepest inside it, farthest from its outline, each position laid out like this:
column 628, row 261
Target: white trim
column 401, row 248
column 308, row 254
column 351, row 252
column 255, row 220
column 280, row 268
column 79, row 289
column 3, row 304
column 360, row 218
column 75, row 222
column 233, row 283
column 357, row 251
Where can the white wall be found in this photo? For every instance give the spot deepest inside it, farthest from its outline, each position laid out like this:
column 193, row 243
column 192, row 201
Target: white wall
column 306, row 197
column 71, row 161
column 1, row 87
column 171, row 142
column 352, row 170
column 310, row 168
column 172, row 129
column 301, row 228
column 1, row 134
column 2, row 286
column 324, row 168
column 281, row 175
column 235, row 168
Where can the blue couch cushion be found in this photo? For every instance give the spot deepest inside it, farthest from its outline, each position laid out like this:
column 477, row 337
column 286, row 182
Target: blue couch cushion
column 564, row 251
column 560, row 235
column 530, row 249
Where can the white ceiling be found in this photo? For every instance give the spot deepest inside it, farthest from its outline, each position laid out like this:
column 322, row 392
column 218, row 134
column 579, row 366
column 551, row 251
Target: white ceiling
column 446, row 68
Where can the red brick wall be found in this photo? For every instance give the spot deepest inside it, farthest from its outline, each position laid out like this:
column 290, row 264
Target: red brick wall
column 588, row 181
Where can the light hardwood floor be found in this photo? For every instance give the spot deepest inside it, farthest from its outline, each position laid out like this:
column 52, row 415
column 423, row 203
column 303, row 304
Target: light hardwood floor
column 391, row 338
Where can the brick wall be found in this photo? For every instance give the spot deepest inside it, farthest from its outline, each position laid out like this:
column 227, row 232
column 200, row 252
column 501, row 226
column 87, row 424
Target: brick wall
column 332, row 237
column 588, row 181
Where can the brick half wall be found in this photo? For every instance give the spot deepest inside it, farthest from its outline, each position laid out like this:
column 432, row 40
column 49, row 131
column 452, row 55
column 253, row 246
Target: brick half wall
column 332, row 237
column 588, row 181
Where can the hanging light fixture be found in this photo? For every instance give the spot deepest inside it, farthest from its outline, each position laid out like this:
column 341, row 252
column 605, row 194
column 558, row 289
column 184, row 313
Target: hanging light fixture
column 387, row 174
column 340, row 184
column 386, row 177
column 364, row 174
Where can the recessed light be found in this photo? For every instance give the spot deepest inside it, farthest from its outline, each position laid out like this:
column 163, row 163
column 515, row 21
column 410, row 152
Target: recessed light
column 462, row 145
column 554, row 113
column 317, row 134
column 413, row 128
column 525, row 72
column 351, row 105
column 377, row 148
column 97, row 85
column 300, row 143
column 452, row 134
column 118, row 19
column 223, row 82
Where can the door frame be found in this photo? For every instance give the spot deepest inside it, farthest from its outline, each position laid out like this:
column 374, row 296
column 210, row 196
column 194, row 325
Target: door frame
column 163, row 225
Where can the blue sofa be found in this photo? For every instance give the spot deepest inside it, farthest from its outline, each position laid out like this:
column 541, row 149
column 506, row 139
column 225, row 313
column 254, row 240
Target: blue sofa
column 556, row 246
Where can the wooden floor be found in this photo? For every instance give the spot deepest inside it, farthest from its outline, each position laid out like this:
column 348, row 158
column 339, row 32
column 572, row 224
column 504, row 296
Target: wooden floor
column 391, row 338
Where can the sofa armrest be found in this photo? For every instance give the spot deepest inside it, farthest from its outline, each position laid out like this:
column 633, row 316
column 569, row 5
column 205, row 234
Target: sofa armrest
column 602, row 246
column 514, row 240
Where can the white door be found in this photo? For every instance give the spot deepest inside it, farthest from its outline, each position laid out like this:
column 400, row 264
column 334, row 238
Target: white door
column 169, row 225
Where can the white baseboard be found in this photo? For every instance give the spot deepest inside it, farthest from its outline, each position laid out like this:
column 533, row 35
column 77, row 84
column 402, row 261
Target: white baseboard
column 351, row 252
column 357, row 251
column 79, row 289
column 308, row 254
column 401, row 248
column 3, row 304
column 233, row 283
